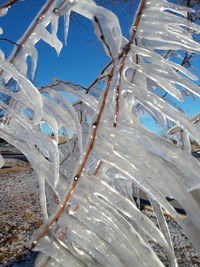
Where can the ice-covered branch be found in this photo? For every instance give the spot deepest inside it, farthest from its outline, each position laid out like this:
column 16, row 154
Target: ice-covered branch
column 105, row 143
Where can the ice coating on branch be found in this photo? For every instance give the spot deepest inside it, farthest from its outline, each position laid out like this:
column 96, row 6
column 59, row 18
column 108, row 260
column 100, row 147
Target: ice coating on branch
column 175, row 129
column 53, row 248
column 183, row 161
column 34, row 36
column 164, row 73
column 51, row 38
column 74, row 90
column 169, row 34
column 3, row 11
column 2, row 56
column 99, row 230
column 29, row 90
column 146, row 174
column 160, row 105
column 106, row 25
column 67, row 105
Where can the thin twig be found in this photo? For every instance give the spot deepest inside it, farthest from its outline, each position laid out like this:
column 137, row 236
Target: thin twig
column 196, row 16
column 105, row 68
column 94, row 82
column 9, row 3
column 87, row 89
column 124, row 56
column 95, row 126
column 66, row 157
column 63, row 234
column 102, row 37
column 194, row 122
column 51, row 85
column 97, row 168
column 8, row 40
column 182, row 140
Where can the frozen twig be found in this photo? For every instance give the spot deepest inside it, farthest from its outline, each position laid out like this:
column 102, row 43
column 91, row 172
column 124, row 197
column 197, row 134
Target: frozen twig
column 57, row 82
column 9, row 3
column 102, row 37
column 28, row 34
column 95, row 81
column 97, row 168
column 124, row 55
column 86, row 89
column 9, row 41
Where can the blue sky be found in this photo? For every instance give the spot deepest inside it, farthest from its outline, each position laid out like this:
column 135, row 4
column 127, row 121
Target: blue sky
column 83, row 57
column 80, row 61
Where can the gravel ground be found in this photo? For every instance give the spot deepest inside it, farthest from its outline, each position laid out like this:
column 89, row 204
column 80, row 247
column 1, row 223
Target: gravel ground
column 20, row 216
column 184, row 251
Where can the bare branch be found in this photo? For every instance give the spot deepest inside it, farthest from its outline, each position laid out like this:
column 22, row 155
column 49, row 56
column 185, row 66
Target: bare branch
column 95, row 81
column 87, row 89
column 8, row 40
column 51, row 85
column 9, row 3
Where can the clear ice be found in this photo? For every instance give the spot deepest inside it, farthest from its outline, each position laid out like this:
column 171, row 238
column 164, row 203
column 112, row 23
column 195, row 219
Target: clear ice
column 101, row 225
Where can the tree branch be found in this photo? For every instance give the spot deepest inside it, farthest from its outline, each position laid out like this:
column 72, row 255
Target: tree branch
column 124, row 56
column 99, row 164
column 8, row 40
column 61, row 82
column 9, row 3
column 82, row 164
column 37, row 21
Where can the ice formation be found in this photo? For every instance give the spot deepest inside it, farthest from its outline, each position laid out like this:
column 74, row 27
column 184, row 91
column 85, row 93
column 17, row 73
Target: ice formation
column 107, row 151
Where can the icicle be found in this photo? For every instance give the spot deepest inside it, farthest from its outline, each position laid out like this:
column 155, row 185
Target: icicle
column 164, row 73
column 3, row 11
column 66, row 25
column 96, row 226
column 74, row 90
column 108, row 23
column 75, row 120
column 168, row 34
column 54, row 249
column 40, row 33
column 158, row 104
column 164, row 228
column 107, row 196
column 28, row 88
column 1, row 161
column 43, row 201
